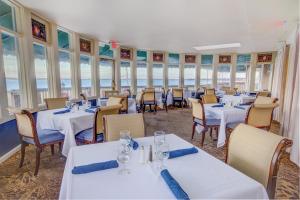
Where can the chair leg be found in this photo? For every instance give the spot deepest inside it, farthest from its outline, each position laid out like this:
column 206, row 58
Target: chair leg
column 155, row 108
column 217, row 129
column 166, row 107
column 202, row 138
column 23, row 146
column 144, row 108
column 193, row 133
column 210, row 132
column 150, row 108
column 52, row 149
column 37, row 161
column 60, row 146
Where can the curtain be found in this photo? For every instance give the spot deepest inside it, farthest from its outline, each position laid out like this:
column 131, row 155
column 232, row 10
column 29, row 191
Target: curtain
column 290, row 115
column 278, row 78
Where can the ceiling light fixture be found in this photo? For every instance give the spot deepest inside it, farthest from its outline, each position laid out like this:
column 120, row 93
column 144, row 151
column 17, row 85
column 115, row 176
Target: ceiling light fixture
column 218, row 46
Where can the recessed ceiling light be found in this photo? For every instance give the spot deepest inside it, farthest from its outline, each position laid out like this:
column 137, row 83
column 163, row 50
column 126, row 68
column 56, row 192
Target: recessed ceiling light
column 218, row 46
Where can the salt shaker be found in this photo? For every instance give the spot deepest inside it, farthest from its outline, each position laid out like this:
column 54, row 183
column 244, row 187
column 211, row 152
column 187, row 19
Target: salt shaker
column 142, row 155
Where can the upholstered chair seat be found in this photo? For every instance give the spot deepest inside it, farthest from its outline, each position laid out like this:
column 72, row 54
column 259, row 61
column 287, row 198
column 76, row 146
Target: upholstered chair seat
column 87, row 135
column 177, row 98
column 46, row 136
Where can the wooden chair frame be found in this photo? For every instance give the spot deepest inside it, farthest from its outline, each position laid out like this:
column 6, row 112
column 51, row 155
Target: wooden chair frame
column 181, row 102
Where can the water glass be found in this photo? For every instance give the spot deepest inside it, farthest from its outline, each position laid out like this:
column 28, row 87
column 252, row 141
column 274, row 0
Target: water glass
column 159, row 138
column 163, row 153
column 123, row 158
column 125, row 137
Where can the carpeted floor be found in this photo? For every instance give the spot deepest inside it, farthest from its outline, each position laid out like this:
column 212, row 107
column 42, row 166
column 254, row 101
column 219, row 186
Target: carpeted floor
column 18, row 183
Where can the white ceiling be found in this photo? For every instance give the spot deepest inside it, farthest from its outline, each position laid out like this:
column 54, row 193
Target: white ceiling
column 176, row 25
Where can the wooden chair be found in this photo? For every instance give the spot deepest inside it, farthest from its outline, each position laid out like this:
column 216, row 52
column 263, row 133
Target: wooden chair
column 111, row 93
column 256, row 153
column 95, row 134
column 164, row 98
column 230, row 92
column 259, row 116
column 265, row 100
column 114, row 100
column 200, row 119
column 209, row 98
column 263, row 94
column 148, row 99
column 209, row 91
column 124, row 103
column 55, row 103
column 113, row 124
column 177, row 96
column 29, row 135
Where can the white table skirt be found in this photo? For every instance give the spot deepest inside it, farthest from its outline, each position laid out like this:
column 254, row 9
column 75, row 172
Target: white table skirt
column 200, row 175
column 131, row 104
column 238, row 99
column 227, row 115
column 68, row 124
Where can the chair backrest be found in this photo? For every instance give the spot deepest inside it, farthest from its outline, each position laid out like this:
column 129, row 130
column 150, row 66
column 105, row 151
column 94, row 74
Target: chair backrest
column 114, row 100
column 124, row 103
column 224, row 88
column 263, row 94
column 148, row 96
column 256, row 152
column 230, row 92
column 177, row 92
column 260, row 115
column 83, row 96
column 101, row 112
column 198, row 110
column 54, row 103
column 209, row 91
column 209, row 98
column 150, row 89
column 264, row 100
column 113, row 124
column 111, row 93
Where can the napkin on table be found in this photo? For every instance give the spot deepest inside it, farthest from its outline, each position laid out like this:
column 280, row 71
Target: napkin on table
column 95, row 167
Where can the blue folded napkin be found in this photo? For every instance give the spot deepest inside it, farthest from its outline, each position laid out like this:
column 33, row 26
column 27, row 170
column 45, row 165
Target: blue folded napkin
column 133, row 144
column 252, row 94
column 240, row 107
column 244, row 104
column 218, row 105
column 62, row 111
column 90, row 110
column 174, row 186
column 182, row 152
column 95, row 167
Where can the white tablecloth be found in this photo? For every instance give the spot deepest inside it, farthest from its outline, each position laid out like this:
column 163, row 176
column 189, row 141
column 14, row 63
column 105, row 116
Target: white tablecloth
column 227, row 115
column 237, row 99
column 68, row 124
column 131, row 104
column 200, row 175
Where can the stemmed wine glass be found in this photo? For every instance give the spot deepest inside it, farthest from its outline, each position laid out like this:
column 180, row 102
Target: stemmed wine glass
column 125, row 137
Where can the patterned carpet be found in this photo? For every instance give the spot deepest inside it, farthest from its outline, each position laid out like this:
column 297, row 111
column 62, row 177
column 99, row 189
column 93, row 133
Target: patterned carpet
column 18, row 183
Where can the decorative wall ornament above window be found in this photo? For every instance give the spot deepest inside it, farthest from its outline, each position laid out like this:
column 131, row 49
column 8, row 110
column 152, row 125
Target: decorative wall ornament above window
column 190, row 59
column 158, row 57
column 224, row 59
column 264, row 57
column 85, row 45
column 38, row 30
column 125, row 53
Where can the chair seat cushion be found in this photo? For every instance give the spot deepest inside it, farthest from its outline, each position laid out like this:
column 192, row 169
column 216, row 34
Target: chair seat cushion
column 46, row 136
column 177, row 98
column 209, row 121
column 149, row 102
column 87, row 135
column 233, row 125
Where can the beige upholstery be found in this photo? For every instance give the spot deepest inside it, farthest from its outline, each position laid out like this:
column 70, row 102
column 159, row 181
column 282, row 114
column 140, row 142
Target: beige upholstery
column 197, row 110
column 230, row 92
column 103, row 111
column 250, row 150
column 124, row 103
column 264, row 100
column 24, row 125
column 151, row 89
column 224, row 88
column 263, row 94
column 177, row 92
column 111, row 93
column 116, row 123
column 209, row 98
column 114, row 101
column 148, row 96
column 193, row 100
column 260, row 115
column 209, row 91
column 54, row 103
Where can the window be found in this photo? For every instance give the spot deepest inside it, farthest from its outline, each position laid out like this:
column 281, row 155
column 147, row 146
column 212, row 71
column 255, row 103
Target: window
column 106, row 51
column 64, row 58
column 158, row 75
column 86, row 75
column 223, row 75
column 141, row 70
column 173, row 70
column 7, row 16
column 125, row 75
column 206, row 70
column 263, row 77
column 106, row 71
column 189, row 76
column 11, row 69
column 242, row 71
column 41, row 72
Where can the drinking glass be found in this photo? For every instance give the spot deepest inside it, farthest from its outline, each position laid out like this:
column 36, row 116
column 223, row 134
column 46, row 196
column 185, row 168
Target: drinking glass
column 163, row 154
column 125, row 137
column 159, row 138
column 123, row 158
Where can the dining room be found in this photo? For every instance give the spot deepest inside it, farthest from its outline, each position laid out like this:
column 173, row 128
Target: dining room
column 161, row 99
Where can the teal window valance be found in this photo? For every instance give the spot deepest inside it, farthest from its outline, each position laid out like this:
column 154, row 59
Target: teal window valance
column 206, row 59
column 173, row 58
column 106, row 51
column 141, row 55
column 63, row 39
column 243, row 58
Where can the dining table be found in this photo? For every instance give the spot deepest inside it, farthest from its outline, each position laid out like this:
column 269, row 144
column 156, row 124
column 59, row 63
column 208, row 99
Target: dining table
column 200, row 175
column 238, row 98
column 226, row 114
